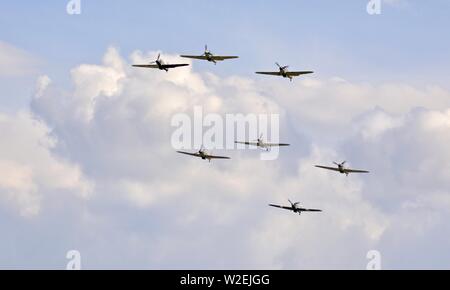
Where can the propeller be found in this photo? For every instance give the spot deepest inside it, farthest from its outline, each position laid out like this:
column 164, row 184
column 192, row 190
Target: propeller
column 281, row 67
column 260, row 138
column 293, row 204
column 157, row 60
column 340, row 164
column 206, row 49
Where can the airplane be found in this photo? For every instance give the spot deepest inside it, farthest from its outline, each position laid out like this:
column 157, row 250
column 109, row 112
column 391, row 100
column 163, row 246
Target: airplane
column 341, row 168
column 159, row 64
column 261, row 144
column 203, row 155
column 283, row 71
column 207, row 55
column 295, row 207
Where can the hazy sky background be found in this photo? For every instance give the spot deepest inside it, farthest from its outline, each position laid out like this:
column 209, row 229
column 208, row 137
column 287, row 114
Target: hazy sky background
column 86, row 161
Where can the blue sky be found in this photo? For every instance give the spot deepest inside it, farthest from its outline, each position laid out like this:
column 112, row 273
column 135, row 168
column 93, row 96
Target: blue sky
column 97, row 185
column 332, row 37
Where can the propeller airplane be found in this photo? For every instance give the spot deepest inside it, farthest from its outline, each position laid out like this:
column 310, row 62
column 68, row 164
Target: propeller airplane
column 203, row 155
column 283, row 72
column 295, row 207
column 209, row 56
column 342, row 169
column 261, row 144
column 159, row 64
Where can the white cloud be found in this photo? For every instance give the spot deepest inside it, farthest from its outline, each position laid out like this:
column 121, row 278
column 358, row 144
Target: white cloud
column 330, row 109
column 167, row 209
column 29, row 172
column 15, row 62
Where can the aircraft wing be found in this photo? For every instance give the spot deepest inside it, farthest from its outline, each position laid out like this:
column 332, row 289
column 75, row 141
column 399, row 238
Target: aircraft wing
column 356, row 171
column 280, row 206
column 311, row 210
column 277, row 73
column 247, row 143
column 328, row 168
column 276, row 145
column 217, row 157
column 214, row 57
column 190, row 154
column 298, row 73
column 173, row 65
column 194, row 56
column 146, row 65
column 220, row 58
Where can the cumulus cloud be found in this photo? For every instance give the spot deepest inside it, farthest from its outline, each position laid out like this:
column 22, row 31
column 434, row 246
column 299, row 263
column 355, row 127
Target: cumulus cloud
column 330, row 109
column 154, row 209
column 30, row 172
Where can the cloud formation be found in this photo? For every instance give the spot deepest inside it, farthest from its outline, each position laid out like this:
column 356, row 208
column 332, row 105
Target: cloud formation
column 31, row 174
column 109, row 139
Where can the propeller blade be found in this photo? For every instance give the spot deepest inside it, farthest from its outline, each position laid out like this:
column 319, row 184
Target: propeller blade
column 278, row 64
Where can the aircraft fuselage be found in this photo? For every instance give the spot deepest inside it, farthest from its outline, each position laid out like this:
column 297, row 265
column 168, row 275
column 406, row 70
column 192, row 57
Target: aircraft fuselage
column 297, row 210
column 262, row 145
column 209, row 57
column 160, row 65
column 204, row 156
column 342, row 170
column 284, row 74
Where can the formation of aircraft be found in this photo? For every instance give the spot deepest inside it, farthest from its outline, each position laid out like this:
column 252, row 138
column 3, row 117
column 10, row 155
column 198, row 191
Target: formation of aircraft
column 261, row 144
column 203, row 155
column 159, row 64
column 209, row 56
column 295, row 207
column 283, row 72
column 342, row 169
